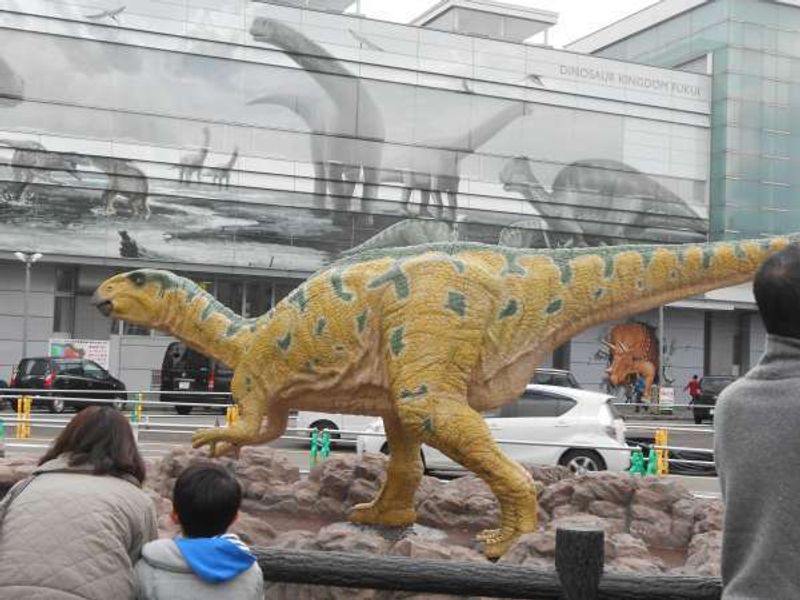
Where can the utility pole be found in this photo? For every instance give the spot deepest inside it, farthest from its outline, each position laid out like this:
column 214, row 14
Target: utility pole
column 28, row 258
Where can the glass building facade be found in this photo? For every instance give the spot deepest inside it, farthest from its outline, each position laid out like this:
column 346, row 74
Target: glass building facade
column 753, row 50
column 249, row 144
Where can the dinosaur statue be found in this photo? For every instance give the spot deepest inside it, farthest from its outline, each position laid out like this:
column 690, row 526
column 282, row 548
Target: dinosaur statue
column 124, row 180
column 221, row 174
column 598, row 201
column 12, row 86
column 192, row 163
column 31, row 160
column 350, row 157
column 633, row 349
column 425, row 337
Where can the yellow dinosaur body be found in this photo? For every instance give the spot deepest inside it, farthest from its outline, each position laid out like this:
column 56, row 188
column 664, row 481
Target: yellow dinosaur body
column 426, row 338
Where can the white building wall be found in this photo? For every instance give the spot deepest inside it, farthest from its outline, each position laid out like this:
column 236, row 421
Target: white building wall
column 12, row 310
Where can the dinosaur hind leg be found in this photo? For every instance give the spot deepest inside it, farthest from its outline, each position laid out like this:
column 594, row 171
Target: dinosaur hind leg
column 456, row 430
column 394, row 505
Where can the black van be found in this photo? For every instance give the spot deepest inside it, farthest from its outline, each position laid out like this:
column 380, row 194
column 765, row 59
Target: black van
column 185, row 370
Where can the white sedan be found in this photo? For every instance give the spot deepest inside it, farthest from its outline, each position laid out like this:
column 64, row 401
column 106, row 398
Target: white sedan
column 575, row 428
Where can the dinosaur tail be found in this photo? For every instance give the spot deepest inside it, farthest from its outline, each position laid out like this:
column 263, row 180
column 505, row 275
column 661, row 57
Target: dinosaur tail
column 615, row 282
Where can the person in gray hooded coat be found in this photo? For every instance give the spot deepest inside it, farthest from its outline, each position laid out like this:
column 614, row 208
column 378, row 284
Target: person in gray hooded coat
column 206, row 562
column 756, row 444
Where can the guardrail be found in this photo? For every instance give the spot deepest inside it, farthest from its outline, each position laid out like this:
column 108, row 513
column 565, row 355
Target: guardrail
column 149, row 424
column 578, row 574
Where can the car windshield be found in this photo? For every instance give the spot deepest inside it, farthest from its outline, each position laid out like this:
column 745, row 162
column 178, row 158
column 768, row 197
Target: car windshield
column 559, row 378
column 69, row 367
column 715, row 384
column 33, row 367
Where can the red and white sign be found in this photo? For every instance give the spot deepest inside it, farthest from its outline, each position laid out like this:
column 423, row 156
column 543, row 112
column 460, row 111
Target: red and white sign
column 96, row 350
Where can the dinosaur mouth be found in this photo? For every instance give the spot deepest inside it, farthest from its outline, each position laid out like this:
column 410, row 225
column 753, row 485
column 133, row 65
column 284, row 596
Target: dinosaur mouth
column 104, row 306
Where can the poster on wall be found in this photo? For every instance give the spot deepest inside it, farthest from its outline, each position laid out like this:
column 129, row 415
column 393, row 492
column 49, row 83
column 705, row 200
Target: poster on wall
column 95, row 350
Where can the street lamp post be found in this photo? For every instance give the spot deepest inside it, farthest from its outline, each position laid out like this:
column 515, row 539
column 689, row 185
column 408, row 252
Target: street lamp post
column 28, row 258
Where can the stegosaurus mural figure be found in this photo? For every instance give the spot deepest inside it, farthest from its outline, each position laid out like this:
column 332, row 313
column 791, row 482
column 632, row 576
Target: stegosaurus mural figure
column 425, row 337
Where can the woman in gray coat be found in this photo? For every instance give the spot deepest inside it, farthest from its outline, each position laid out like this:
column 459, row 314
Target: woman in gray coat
column 75, row 528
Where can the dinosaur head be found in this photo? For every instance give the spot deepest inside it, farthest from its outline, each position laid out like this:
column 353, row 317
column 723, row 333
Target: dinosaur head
column 516, row 174
column 262, row 29
column 136, row 296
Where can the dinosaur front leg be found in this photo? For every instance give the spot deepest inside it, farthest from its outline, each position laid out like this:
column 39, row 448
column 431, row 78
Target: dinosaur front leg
column 277, row 420
column 394, row 505
column 252, row 403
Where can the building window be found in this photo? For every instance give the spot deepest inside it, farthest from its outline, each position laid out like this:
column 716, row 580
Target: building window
column 64, row 305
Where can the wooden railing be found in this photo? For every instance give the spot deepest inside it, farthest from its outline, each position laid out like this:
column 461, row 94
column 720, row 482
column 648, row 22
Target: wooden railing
column 578, row 574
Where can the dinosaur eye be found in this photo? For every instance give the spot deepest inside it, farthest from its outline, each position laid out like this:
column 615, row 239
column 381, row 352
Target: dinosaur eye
column 137, row 278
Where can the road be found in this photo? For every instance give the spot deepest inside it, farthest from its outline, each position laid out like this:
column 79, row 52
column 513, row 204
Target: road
column 160, row 430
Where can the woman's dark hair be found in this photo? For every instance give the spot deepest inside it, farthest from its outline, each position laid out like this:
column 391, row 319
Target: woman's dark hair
column 777, row 290
column 99, row 436
column 206, row 498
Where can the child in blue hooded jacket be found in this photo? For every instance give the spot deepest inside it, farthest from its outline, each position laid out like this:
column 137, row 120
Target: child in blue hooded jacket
column 206, row 562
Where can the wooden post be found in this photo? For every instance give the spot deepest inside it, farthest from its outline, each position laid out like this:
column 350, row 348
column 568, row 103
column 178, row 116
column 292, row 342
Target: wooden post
column 579, row 561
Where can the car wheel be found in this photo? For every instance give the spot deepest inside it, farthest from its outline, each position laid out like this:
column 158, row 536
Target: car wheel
column 385, row 450
column 56, row 406
column 698, row 419
column 580, row 461
column 321, row 425
column 119, row 403
column 183, row 410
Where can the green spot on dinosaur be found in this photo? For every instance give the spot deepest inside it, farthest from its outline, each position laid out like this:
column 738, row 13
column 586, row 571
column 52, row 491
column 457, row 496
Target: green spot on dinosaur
column 427, row 425
column 338, row 288
column 512, row 268
column 396, row 341
column 308, row 367
column 298, row 298
column 210, row 308
column 320, row 327
column 285, row 341
column 739, row 252
column 566, row 272
column 395, row 276
column 420, row 392
column 554, row 306
column 458, row 265
column 647, row 255
column 509, row 310
column 608, row 265
column 708, row 254
column 457, row 303
column 598, row 293
column 361, row 321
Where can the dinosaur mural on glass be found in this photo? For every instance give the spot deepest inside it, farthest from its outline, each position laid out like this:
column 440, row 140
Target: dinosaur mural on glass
column 596, row 201
column 192, row 163
column 12, row 86
column 348, row 160
column 124, row 181
column 31, row 160
column 221, row 174
column 426, row 338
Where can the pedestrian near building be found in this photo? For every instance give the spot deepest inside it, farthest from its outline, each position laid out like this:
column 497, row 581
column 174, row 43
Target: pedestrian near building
column 694, row 389
column 638, row 390
column 756, row 444
column 75, row 528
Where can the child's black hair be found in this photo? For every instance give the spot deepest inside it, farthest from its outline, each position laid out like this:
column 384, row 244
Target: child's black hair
column 206, row 498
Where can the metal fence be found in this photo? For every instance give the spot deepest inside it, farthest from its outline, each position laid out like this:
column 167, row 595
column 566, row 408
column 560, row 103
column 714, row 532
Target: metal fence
column 164, row 423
